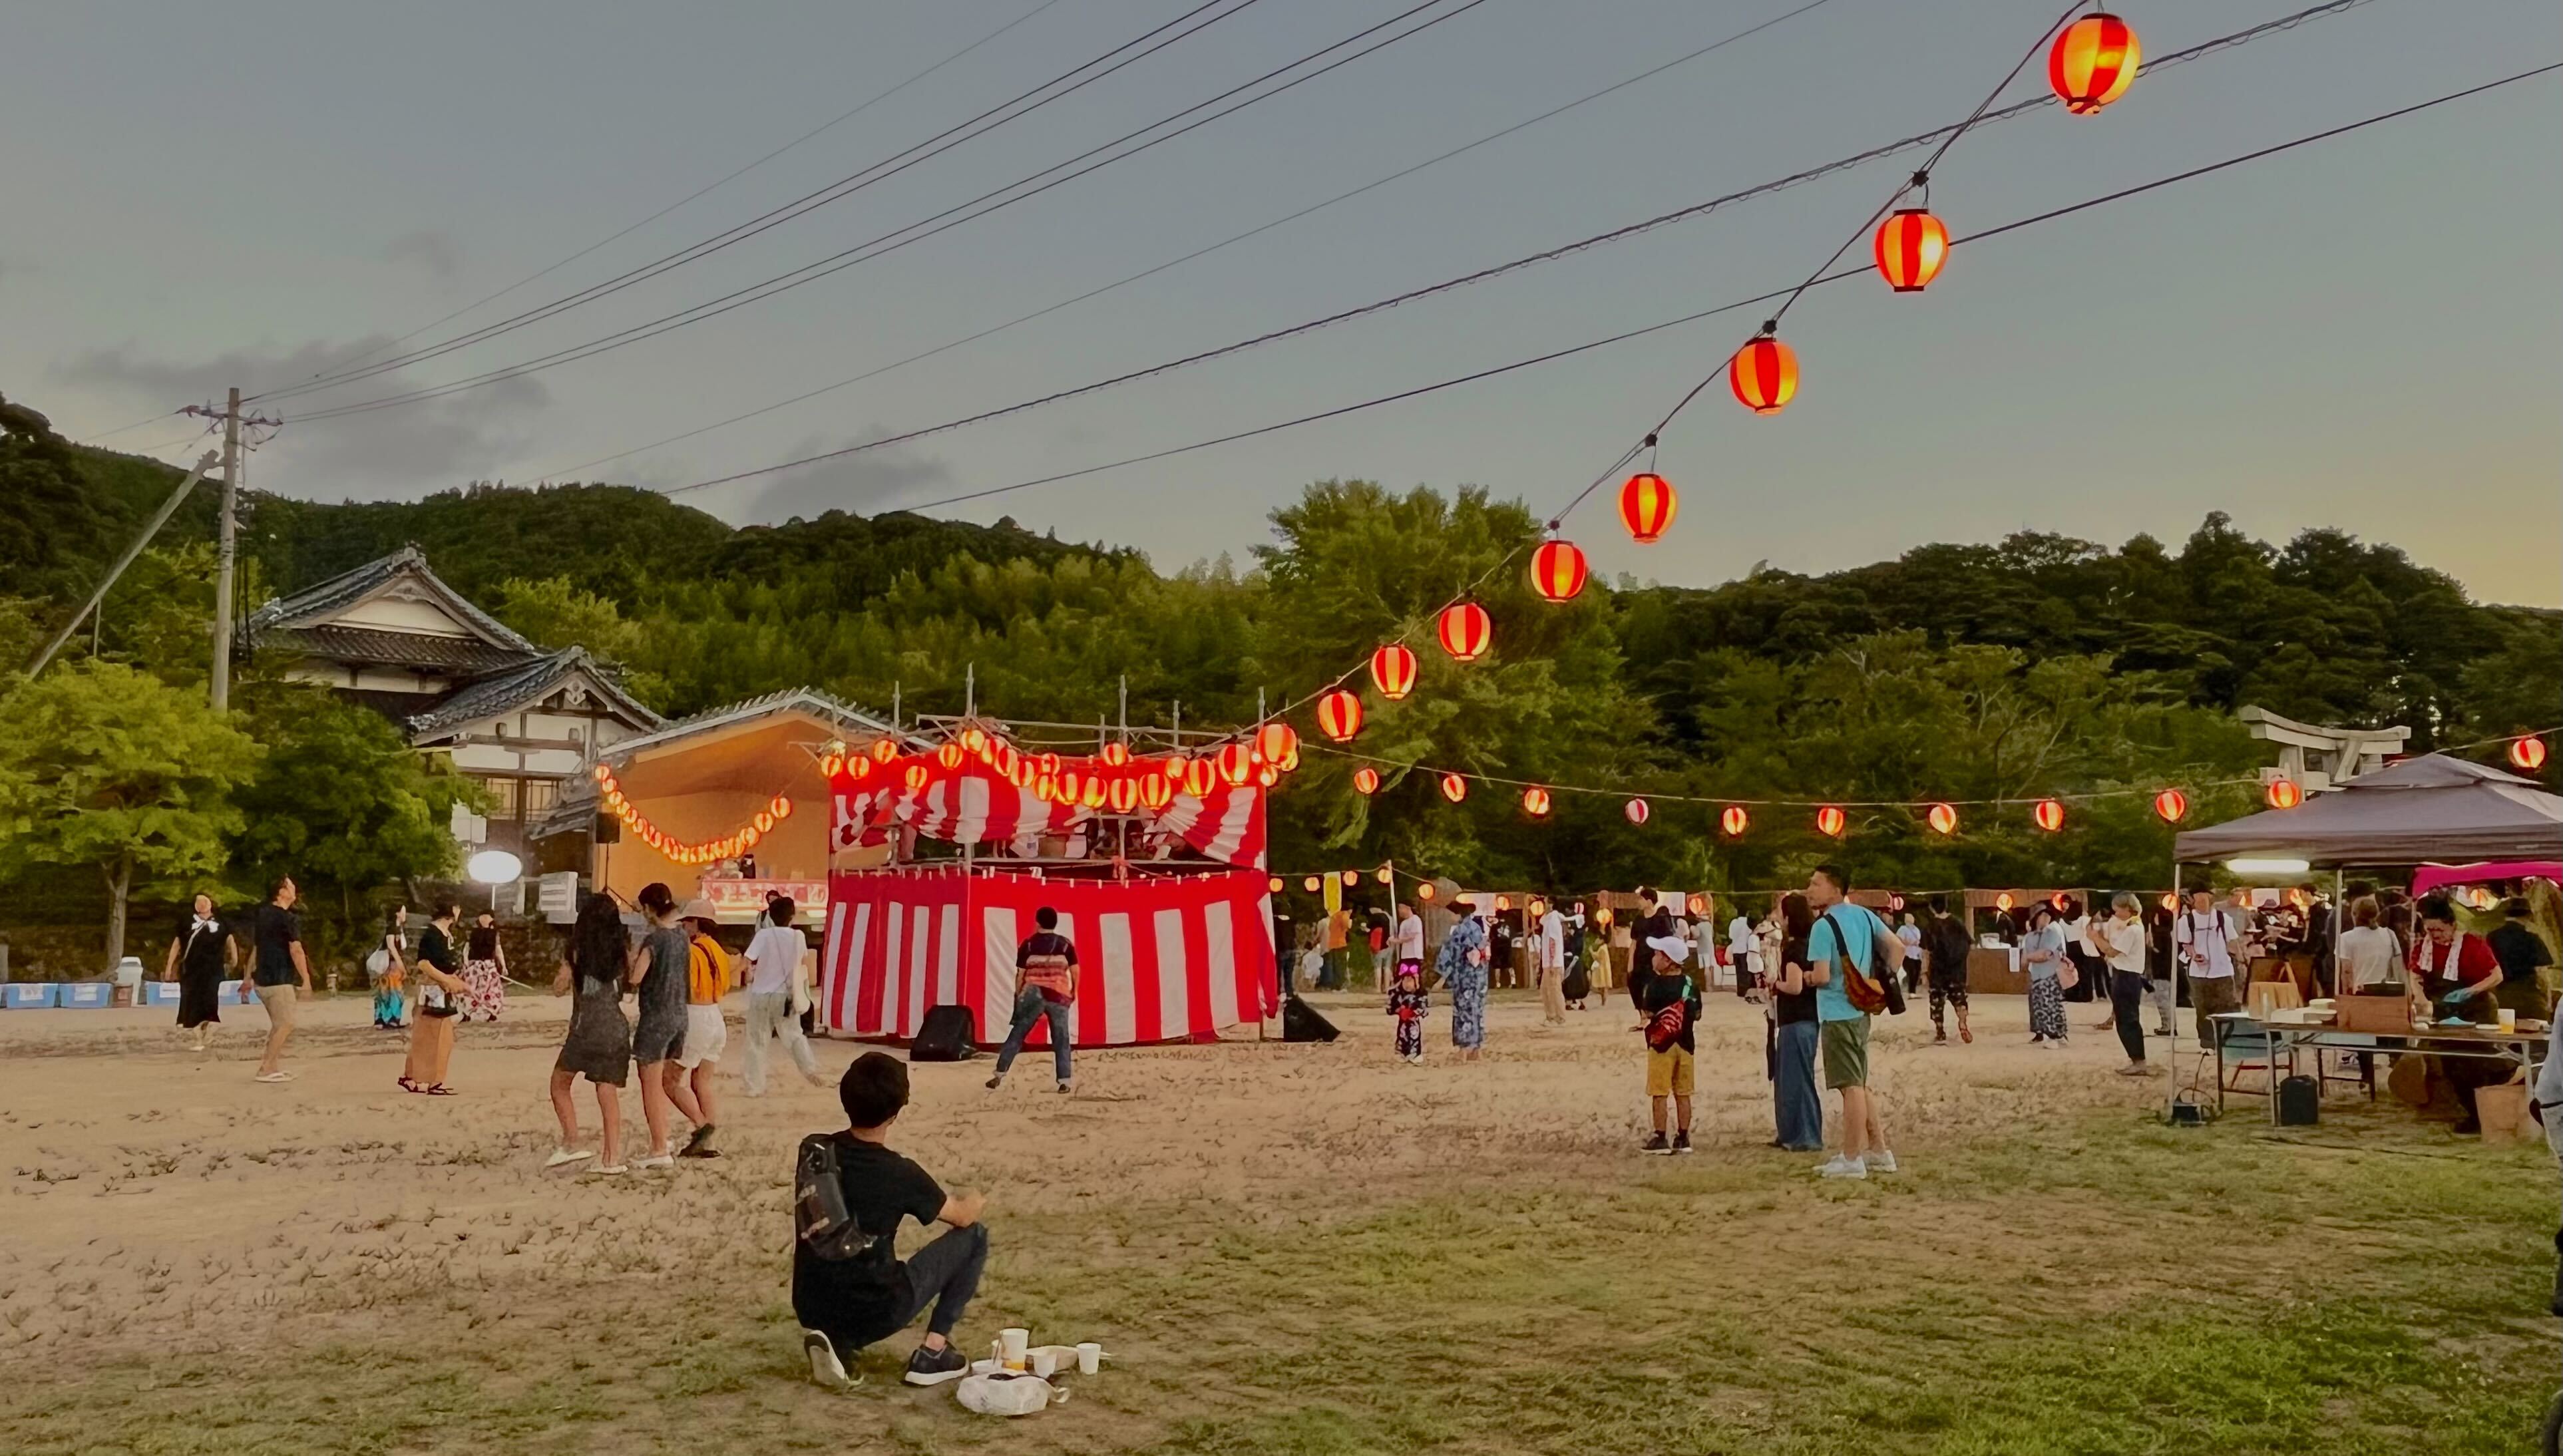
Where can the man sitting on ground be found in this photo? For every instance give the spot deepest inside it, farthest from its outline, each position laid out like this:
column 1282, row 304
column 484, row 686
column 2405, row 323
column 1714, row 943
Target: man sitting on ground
column 850, row 1192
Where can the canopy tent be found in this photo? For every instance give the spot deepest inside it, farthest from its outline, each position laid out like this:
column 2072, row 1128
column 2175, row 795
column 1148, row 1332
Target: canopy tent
column 2431, row 808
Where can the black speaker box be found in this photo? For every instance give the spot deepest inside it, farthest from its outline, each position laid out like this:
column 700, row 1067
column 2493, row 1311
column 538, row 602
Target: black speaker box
column 943, row 1036
column 1301, row 1023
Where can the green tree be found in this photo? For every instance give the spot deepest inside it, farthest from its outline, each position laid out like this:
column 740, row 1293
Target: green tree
column 105, row 766
column 343, row 805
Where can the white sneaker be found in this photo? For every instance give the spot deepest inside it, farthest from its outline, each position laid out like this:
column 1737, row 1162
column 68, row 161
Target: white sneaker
column 564, row 1156
column 607, row 1170
column 655, row 1160
column 1880, row 1161
column 825, row 1367
column 1840, row 1167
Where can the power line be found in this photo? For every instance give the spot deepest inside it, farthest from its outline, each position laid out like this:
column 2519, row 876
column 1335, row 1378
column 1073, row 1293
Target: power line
column 723, row 180
column 1148, row 273
column 953, row 216
column 1942, row 135
column 844, row 187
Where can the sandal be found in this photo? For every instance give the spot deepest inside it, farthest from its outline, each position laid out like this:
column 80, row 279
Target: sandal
column 407, row 1086
column 438, row 1090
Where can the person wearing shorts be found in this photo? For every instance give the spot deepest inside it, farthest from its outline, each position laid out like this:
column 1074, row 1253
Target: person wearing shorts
column 280, row 973
column 707, row 979
column 1847, row 938
column 660, row 974
column 1667, row 998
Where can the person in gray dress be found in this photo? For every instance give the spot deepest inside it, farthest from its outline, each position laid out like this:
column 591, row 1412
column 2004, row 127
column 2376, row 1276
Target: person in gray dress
column 599, row 1044
column 660, row 972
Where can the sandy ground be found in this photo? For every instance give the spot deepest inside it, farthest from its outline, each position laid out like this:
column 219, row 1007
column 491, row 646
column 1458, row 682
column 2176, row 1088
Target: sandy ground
column 155, row 1196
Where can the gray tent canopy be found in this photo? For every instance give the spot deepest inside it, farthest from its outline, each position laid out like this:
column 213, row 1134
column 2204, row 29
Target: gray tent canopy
column 2427, row 809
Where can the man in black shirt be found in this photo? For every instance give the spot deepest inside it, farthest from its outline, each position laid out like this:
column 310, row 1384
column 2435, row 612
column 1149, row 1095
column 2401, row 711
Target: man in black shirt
column 280, row 974
column 2520, row 951
column 846, row 1303
column 1944, row 950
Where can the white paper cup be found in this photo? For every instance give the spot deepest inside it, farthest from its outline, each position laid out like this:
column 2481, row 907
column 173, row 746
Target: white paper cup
column 1090, row 1358
column 1045, row 1363
column 1011, row 1345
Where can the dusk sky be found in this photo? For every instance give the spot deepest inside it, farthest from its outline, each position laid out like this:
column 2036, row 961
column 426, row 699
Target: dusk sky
column 2360, row 333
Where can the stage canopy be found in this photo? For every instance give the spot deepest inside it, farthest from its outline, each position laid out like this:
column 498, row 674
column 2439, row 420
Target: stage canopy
column 2431, row 808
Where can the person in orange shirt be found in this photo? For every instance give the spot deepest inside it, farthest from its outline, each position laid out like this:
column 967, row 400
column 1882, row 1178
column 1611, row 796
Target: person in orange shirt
column 1339, row 934
column 689, row 1076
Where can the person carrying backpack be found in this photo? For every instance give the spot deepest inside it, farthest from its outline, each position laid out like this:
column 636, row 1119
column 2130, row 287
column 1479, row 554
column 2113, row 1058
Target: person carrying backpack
column 850, row 1193
column 1852, row 959
column 1668, row 1013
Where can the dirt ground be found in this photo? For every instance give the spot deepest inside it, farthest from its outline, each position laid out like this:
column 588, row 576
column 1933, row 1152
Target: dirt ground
column 191, row 1260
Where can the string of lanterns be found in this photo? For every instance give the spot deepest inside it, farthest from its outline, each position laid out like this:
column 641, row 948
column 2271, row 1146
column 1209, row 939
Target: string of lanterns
column 730, row 846
column 1112, row 778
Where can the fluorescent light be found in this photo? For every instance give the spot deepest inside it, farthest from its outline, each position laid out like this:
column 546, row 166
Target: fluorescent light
column 2268, row 866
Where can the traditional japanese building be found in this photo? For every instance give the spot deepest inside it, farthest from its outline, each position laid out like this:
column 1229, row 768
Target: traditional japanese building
column 523, row 720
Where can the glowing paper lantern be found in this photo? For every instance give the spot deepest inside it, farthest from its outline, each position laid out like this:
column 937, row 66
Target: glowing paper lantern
column 604, row 775
column 1365, row 780
column 1091, row 795
column 830, row 765
column 2093, row 63
column 1387, row 875
column 973, row 740
column 1045, row 786
column 1155, row 791
column 1072, row 787
column 1267, row 775
column 1339, row 715
column 1175, row 766
column 1310, row 884
column 1200, row 777
column 2061, row 901
column 1698, row 905
column 1536, row 802
column 2170, row 901
column 1290, row 761
column 1764, row 376
column 2285, row 794
column 917, row 778
column 1236, row 764
column 1911, row 245
column 1425, row 891
column 1557, row 570
column 1392, row 668
column 1453, row 788
column 2527, row 753
column 2049, row 815
column 883, row 749
column 1466, row 631
column 764, row 823
column 1274, row 884
column 1942, row 819
column 747, row 838
column 1115, row 752
column 858, row 769
column 949, row 755
column 1635, row 810
column 2172, row 805
column 2003, row 901
column 1646, row 506
column 1734, row 820
column 781, row 808
column 1276, row 741
column 1123, row 796
column 1351, row 879
column 1830, row 821
column 1048, row 763
column 1504, row 903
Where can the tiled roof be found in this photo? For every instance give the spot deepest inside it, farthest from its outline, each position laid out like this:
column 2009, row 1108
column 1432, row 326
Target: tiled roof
column 467, row 656
column 315, row 604
column 791, row 699
column 515, row 688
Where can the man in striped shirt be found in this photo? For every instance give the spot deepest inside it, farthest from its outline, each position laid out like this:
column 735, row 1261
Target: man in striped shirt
column 1045, row 987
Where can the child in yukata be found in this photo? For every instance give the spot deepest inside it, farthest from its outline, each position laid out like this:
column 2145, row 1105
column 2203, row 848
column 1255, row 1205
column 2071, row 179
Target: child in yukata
column 1407, row 1003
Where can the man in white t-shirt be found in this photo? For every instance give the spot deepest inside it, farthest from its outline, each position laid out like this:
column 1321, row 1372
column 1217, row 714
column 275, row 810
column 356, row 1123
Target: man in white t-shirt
column 1548, row 949
column 2205, row 938
column 773, row 969
column 1743, row 952
column 1409, row 941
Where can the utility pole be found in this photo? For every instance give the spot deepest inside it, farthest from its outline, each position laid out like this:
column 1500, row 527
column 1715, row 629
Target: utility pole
column 227, row 548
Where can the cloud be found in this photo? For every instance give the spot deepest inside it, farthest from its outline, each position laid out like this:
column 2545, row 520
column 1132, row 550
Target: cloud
column 405, row 449
column 865, row 483
column 431, row 249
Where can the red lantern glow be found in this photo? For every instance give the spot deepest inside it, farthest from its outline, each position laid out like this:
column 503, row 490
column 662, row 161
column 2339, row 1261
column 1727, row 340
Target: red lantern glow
column 1123, row 796
column 1310, row 884
column 1115, row 752
column 1267, row 775
column 2093, row 63
column 1466, row 631
column 1557, row 570
column 1339, row 715
column 1393, row 668
column 1942, row 819
column 1236, row 764
column 604, row 775
column 859, row 767
column 1911, row 245
column 2285, row 794
column 1453, row 788
column 1646, row 506
column 764, row 823
column 1764, row 376
column 1365, row 780
column 1155, row 791
column 1200, row 777
column 1635, row 810
column 2049, row 815
column 883, row 749
column 1091, row 793
column 830, row 765
column 2527, row 753
column 1276, row 741
column 2172, row 805
column 781, row 808
column 949, row 755
column 917, row 778
column 1830, row 821
column 1734, row 820
column 1536, row 802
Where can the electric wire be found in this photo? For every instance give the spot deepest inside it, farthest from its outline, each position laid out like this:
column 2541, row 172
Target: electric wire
column 885, row 244
column 1941, row 134
column 909, row 156
column 1204, row 252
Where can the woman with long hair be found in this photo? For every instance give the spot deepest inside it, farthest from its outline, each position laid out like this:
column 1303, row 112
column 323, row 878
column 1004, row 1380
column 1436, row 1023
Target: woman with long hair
column 385, row 966
column 599, row 1044
column 485, row 971
column 1797, row 1109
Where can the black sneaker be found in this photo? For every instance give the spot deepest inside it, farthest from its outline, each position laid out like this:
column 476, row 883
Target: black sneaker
column 996, row 1081
column 825, row 1367
column 1681, row 1141
column 934, row 1367
column 1657, row 1144
column 699, row 1144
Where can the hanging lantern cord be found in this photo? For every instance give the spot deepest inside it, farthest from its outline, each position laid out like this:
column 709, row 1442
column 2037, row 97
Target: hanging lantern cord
column 1922, row 183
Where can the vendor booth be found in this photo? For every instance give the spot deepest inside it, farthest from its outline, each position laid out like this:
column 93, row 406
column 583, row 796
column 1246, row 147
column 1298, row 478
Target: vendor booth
column 1153, row 861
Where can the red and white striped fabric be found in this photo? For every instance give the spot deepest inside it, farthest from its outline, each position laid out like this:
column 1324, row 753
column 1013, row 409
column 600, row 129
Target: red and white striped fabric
column 1160, row 960
column 1228, row 826
column 973, row 805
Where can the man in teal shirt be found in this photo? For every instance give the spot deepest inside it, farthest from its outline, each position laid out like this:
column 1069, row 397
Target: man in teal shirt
column 1848, row 933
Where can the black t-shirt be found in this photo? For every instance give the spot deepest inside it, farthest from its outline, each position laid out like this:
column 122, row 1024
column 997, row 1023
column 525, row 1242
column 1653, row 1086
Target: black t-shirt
column 1792, row 1007
column 861, row 1300
column 1658, row 990
column 275, row 931
column 436, row 948
column 1946, row 937
column 200, row 952
column 2520, row 951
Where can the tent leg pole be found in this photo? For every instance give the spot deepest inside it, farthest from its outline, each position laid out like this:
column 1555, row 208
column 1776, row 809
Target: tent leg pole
column 2172, row 1059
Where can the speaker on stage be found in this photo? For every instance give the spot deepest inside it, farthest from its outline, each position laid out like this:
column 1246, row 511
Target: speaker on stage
column 1300, row 1021
column 943, row 1036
